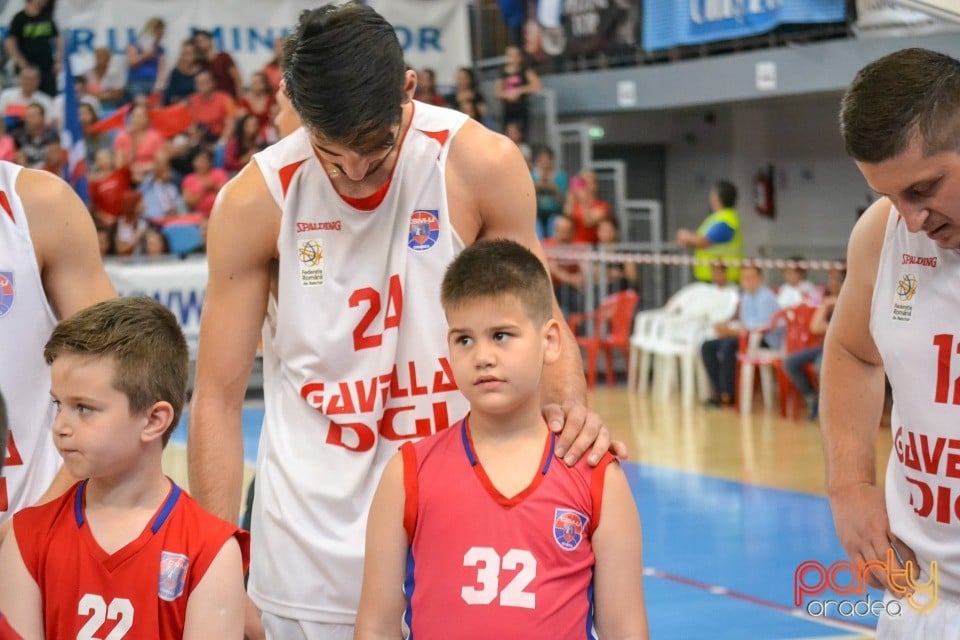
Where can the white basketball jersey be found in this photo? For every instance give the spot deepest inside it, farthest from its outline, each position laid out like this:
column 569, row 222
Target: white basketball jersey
column 355, row 362
column 26, row 320
column 916, row 325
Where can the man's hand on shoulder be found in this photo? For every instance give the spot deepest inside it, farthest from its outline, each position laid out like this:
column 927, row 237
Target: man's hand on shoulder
column 580, row 430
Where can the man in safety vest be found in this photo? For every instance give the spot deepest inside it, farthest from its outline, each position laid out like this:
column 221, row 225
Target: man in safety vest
column 718, row 237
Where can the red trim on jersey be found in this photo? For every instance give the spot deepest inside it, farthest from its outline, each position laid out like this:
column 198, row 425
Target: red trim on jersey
column 410, row 489
column 439, row 136
column 286, row 175
column 6, row 631
column 6, row 205
column 501, row 499
column 596, row 489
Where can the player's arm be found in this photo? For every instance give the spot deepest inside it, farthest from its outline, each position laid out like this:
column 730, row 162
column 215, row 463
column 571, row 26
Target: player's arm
column 20, row 599
column 483, row 159
column 850, row 414
column 618, row 570
column 240, row 248
column 381, row 599
column 215, row 608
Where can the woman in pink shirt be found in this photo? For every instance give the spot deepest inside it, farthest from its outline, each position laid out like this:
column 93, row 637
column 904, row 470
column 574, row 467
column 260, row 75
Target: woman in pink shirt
column 200, row 187
column 136, row 145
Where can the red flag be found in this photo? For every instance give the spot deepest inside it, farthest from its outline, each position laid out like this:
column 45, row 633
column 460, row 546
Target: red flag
column 170, row 121
column 114, row 121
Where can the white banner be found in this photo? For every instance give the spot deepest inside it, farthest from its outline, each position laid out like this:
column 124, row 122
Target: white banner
column 179, row 285
column 884, row 18
column 433, row 33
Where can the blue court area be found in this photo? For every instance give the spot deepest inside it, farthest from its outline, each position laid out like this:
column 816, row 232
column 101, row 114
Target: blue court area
column 720, row 555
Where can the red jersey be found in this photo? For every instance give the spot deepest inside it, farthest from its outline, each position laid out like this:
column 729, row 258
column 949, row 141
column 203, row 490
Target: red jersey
column 6, row 631
column 141, row 590
column 492, row 566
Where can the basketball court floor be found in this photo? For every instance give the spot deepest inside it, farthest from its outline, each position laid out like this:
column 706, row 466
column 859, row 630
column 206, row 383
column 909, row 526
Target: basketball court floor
column 731, row 505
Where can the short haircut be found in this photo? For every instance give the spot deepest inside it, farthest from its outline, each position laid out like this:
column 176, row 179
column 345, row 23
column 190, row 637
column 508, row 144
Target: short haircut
column 4, row 429
column 497, row 268
column 891, row 100
column 150, row 354
column 344, row 72
column 726, row 193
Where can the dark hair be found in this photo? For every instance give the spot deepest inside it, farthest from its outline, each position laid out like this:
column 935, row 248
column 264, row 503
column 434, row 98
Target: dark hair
column 470, row 74
column 909, row 92
column 798, row 267
column 4, row 428
column 344, row 70
column 149, row 353
column 497, row 268
column 726, row 193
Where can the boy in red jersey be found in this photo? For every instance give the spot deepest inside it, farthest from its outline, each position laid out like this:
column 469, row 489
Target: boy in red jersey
column 6, row 632
column 124, row 553
column 489, row 536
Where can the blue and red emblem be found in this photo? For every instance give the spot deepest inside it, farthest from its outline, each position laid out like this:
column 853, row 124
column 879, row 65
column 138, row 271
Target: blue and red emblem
column 424, row 229
column 173, row 575
column 569, row 527
column 6, row 292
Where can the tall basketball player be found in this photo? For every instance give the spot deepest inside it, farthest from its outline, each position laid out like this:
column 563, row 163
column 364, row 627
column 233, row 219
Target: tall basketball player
column 49, row 268
column 897, row 313
column 334, row 242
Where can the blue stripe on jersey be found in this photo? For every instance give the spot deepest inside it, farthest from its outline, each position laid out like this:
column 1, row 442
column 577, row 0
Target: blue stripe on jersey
column 591, row 627
column 168, row 506
column 78, row 503
column 553, row 445
column 466, row 443
column 408, row 585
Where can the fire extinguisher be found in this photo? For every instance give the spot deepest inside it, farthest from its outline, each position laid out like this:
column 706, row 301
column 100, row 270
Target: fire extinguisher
column 763, row 192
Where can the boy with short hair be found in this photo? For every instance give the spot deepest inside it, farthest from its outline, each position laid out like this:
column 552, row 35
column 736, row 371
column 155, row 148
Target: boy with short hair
column 487, row 533
column 124, row 552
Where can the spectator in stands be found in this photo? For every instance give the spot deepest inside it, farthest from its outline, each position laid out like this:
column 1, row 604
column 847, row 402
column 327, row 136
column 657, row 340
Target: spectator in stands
column 566, row 275
column 33, row 137
column 272, row 69
column 53, row 158
column 427, row 88
column 83, row 98
column 107, row 185
column 180, row 84
column 8, row 147
column 245, row 142
column 551, row 185
column 130, row 228
column 515, row 83
column 161, row 196
column 154, row 242
column 257, row 100
column 147, row 60
column 796, row 289
column 515, row 133
column 105, row 240
column 466, row 97
column 719, row 234
column 34, row 41
column 14, row 100
column 200, row 188
column 94, row 140
column 137, row 144
column 226, row 77
column 795, row 364
column 585, row 208
column 620, row 276
column 212, row 110
column 107, row 79
column 757, row 306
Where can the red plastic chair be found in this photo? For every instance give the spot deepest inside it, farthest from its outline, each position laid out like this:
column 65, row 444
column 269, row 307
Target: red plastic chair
column 612, row 322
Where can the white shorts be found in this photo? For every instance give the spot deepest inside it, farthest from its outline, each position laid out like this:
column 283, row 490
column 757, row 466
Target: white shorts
column 278, row 628
column 942, row 623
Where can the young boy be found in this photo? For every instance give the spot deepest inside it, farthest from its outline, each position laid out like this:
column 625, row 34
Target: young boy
column 124, row 553
column 489, row 536
column 6, row 631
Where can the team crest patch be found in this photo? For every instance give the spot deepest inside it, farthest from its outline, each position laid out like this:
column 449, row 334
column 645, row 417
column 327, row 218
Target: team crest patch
column 569, row 527
column 424, row 229
column 173, row 575
column 6, row 292
column 310, row 255
column 906, row 290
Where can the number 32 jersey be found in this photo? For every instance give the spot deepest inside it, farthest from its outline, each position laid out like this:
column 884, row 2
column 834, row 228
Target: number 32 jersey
column 489, row 566
column 354, row 359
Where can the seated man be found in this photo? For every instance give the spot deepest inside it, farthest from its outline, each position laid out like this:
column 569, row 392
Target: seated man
column 566, row 275
column 757, row 306
column 795, row 364
column 796, row 289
